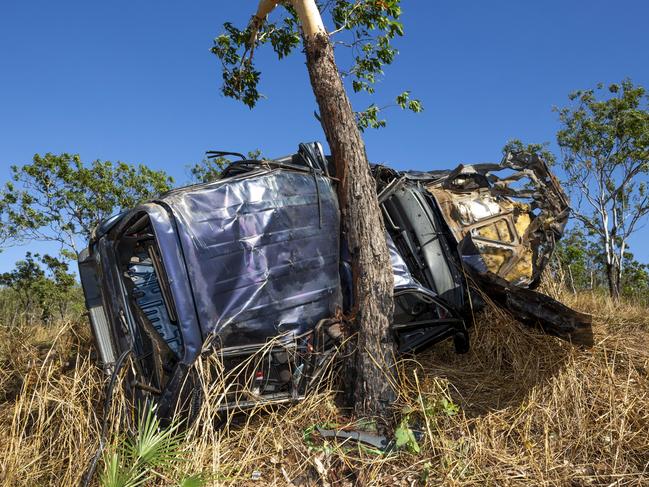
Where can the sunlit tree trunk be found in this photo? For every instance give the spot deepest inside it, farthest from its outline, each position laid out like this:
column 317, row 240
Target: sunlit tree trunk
column 373, row 385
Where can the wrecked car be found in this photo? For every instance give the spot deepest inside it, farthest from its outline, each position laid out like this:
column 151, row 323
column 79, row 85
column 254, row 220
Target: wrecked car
column 255, row 264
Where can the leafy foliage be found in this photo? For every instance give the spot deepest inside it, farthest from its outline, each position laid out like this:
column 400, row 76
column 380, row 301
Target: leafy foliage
column 578, row 257
column 208, row 169
column 605, row 146
column 58, row 198
column 365, row 29
column 635, row 278
column 42, row 284
column 142, row 458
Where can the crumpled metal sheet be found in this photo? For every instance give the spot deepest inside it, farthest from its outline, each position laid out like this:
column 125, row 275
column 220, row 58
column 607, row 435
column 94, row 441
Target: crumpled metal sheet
column 500, row 228
column 402, row 277
column 262, row 253
column 505, row 229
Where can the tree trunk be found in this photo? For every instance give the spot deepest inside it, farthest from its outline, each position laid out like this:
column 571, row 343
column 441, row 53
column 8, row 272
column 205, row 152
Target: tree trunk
column 373, row 387
column 613, row 281
column 572, row 280
column 373, row 384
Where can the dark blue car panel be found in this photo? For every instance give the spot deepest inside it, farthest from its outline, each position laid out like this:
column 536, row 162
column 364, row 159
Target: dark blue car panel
column 261, row 253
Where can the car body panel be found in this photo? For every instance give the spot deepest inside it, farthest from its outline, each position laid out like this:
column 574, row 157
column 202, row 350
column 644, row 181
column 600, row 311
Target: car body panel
column 261, row 252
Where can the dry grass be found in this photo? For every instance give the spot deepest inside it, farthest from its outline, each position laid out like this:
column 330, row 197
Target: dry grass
column 533, row 411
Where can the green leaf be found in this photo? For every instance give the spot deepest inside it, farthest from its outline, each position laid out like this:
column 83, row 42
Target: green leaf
column 404, row 436
column 116, row 474
column 198, row 480
column 154, row 446
column 449, row 407
column 366, row 28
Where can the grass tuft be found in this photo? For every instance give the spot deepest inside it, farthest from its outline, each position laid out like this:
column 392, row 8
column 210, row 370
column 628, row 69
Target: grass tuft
column 520, row 408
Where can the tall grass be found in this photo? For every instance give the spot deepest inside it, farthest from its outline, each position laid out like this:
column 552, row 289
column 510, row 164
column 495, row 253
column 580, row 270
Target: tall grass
column 531, row 410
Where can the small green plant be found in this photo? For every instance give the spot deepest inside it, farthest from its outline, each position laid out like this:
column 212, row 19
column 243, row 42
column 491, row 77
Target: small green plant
column 116, row 474
column 442, row 406
column 404, row 436
column 425, row 473
column 139, row 459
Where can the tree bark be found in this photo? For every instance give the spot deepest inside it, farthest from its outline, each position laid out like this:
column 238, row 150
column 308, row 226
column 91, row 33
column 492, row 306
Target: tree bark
column 613, row 281
column 373, row 384
column 373, row 387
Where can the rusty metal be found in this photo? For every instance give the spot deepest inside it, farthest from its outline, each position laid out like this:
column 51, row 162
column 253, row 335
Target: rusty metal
column 499, row 228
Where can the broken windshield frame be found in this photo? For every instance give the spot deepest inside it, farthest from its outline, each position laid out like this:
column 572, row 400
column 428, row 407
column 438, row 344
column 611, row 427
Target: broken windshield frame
column 157, row 335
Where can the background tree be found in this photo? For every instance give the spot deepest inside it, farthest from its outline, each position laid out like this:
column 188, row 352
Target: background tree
column 57, row 198
column 43, row 286
column 369, row 25
column 580, row 265
column 635, row 279
column 576, row 261
column 209, row 169
column 604, row 142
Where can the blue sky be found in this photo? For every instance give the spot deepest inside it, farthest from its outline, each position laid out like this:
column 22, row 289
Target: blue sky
column 135, row 81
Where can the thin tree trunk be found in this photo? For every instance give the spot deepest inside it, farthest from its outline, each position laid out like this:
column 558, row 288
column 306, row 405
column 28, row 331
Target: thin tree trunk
column 613, row 282
column 572, row 280
column 560, row 274
column 373, row 387
column 373, row 384
column 620, row 266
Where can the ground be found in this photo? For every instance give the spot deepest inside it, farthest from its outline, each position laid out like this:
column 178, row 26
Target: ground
column 520, row 408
